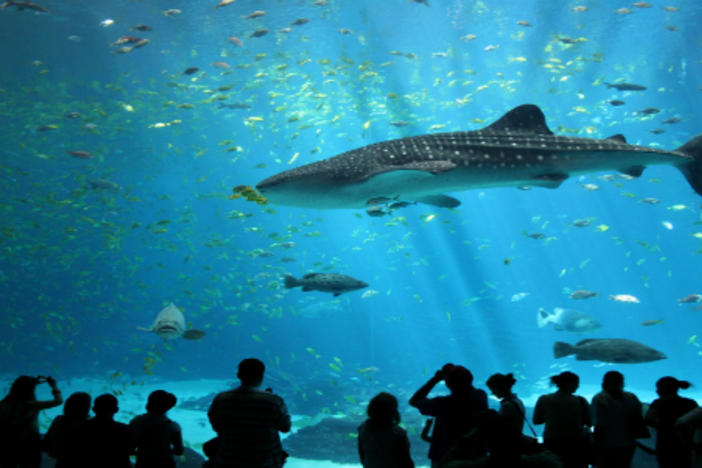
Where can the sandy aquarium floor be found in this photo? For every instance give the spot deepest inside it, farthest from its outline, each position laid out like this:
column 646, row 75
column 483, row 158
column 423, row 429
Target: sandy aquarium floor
column 132, row 395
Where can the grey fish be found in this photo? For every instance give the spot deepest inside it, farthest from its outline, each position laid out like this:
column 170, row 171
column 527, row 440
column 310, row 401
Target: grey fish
column 616, row 350
column 170, row 324
column 582, row 294
column 325, row 282
column 626, row 86
column 236, row 105
column 517, row 150
column 103, row 184
column 568, row 320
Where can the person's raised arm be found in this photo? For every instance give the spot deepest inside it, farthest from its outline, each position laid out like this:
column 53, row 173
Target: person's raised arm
column 424, row 390
column 57, row 400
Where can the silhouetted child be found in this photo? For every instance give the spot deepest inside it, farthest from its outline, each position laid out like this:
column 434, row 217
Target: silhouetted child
column 567, row 419
column 618, row 421
column 158, row 438
column 60, row 439
column 454, row 415
column 105, row 442
column 672, row 451
column 382, row 443
column 20, row 442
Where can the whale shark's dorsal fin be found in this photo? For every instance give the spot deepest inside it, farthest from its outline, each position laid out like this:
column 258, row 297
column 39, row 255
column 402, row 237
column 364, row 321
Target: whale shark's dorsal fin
column 526, row 118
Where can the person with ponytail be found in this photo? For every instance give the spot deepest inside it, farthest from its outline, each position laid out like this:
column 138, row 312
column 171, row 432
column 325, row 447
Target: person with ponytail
column 567, row 421
column 672, row 450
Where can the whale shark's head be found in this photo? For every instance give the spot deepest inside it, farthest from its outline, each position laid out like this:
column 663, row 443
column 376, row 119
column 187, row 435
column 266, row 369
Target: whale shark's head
column 331, row 183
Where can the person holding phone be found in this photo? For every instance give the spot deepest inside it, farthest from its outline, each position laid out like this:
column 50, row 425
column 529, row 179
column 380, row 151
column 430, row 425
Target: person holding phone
column 20, row 442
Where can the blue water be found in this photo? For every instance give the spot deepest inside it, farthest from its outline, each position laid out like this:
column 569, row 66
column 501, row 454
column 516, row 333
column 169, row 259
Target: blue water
column 81, row 268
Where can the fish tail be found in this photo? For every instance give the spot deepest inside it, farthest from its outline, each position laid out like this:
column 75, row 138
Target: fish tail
column 561, row 349
column 693, row 170
column 291, row 282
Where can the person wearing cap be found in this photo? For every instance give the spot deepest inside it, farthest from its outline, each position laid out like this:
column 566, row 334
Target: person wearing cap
column 158, row 438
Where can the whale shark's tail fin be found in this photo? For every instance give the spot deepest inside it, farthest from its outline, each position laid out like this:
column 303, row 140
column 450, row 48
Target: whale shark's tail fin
column 693, row 170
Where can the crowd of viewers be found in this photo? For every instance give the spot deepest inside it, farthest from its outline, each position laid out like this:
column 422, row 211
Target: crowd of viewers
column 462, row 431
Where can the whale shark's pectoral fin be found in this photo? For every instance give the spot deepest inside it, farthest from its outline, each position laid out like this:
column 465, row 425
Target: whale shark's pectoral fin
column 552, row 180
column 193, row 334
column 633, row 171
column 442, row 201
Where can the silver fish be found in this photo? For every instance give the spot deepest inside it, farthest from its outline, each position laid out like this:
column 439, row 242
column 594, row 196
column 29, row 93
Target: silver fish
column 170, row 324
column 568, row 320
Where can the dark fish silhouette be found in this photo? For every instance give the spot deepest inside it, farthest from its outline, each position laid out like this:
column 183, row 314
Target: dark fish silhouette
column 616, row 350
column 21, row 5
column 518, row 150
column 325, row 282
column 626, row 86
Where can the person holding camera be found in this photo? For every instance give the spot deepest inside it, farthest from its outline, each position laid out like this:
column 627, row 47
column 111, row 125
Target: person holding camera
column 20, row 441
column 454, row 414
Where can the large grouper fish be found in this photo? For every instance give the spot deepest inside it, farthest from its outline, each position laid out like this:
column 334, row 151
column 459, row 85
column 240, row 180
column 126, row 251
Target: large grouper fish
column 517, row 150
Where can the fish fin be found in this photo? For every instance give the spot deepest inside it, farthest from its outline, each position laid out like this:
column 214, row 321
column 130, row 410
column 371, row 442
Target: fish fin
column 193, row 334
column 633, row 171
column 551, row 180
column 291, row 282
column 561, row 349
column 150, row 329
column 442, row 201
column 543, row 318
column 336, row 294
column 310, row 275
column 693, row 170
column 585, row 341
column 618, row 138
column 526, row 118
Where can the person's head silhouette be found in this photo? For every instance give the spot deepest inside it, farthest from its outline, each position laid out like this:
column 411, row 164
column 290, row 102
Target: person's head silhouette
column 105, row 406
column 251, row 372
column 458, row 379
column 160, row 401
column 77, row 406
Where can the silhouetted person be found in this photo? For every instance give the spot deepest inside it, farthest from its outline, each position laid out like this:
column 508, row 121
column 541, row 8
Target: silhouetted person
column 688, row 426
column 509, row 424
column 158, row 438
column 247, row 421
column 105, row 442
column 672, row 451
column 20, row 442
column 454, row 415
column 382, row 443
column 567, row 418
column 60, row 439
column 618, row 421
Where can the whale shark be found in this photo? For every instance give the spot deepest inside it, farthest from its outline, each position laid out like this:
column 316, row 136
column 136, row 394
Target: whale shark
column 517, row 150
column 170, row 324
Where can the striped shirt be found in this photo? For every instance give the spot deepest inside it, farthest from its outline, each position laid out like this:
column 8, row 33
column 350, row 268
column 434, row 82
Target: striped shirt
column 247, row 421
